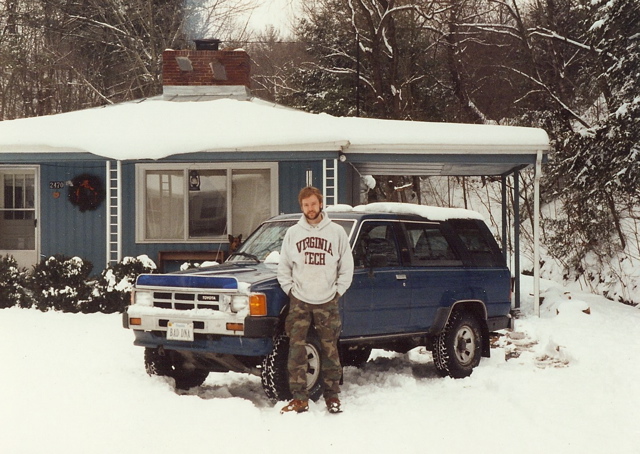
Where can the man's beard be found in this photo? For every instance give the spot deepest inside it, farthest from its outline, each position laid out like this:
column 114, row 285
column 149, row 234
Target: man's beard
column 310, row 217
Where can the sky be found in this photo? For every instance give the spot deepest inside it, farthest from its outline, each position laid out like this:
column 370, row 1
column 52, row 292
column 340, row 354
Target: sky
column 273, row 12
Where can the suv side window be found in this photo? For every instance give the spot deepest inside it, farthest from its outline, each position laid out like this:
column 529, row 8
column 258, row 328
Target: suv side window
column 376, row 246
column 474, row 238
column 429, row 247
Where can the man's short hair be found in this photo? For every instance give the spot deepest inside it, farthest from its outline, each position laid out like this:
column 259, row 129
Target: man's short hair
column 308, row 192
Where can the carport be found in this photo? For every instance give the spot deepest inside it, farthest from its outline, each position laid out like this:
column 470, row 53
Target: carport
column 465, row 150
column 413, row 148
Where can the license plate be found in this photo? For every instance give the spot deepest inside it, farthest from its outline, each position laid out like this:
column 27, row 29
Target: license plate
column 180, row 331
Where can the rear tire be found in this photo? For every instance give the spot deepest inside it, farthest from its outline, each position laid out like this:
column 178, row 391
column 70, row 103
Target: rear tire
column 458, row 348
column 354, row 356
column 275, row 373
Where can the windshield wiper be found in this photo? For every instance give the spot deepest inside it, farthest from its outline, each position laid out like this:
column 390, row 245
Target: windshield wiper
column 246, row 254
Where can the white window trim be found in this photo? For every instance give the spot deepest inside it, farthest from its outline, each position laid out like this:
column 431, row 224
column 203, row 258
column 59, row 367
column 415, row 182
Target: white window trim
column 140, row 200
column 37, row 202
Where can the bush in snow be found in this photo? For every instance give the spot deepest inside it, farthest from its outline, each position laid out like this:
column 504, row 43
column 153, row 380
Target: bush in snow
column 13, row 281
column 112, row 290
column 60, row 283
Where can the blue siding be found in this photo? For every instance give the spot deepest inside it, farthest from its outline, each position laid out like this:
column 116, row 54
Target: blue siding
column 64, row 229
column 293, row 177
column 345, row 191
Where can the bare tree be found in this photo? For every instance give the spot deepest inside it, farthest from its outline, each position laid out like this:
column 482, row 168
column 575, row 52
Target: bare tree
column 60, row 55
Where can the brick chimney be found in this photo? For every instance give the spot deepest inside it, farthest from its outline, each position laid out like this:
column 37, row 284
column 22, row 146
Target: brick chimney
column 206, row 71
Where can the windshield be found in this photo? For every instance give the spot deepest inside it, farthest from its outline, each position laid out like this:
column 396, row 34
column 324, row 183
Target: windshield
column 268, row 238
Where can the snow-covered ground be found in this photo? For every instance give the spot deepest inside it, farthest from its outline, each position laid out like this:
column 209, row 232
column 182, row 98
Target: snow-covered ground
column 566, row 382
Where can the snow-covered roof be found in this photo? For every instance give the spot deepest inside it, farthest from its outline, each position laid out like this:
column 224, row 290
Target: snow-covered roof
column 428, row 212
column 156, row 128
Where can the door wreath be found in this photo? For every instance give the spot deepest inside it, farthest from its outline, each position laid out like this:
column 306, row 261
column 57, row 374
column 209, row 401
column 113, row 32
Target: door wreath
column 86, row 192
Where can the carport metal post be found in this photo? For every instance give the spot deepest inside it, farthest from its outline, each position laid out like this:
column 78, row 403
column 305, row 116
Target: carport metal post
column 516, row 238
column 536, row 234
column 505, row 224
column 505, row 239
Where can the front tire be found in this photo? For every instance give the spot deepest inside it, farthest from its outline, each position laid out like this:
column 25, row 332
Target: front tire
column 170, row 364
column 275, row 374
column 458, row 348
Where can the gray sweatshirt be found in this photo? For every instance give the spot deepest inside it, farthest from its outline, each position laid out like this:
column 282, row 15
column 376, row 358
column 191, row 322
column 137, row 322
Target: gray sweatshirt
column 315, row 261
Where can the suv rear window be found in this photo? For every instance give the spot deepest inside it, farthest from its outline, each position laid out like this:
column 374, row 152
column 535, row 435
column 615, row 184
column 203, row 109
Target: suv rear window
column 429, row 247
column 474, row 236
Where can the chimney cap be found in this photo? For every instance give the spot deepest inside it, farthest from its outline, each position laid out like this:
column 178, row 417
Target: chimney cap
column 207, row 43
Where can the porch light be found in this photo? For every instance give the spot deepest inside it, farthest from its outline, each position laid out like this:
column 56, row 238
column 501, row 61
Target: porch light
column 194, row 180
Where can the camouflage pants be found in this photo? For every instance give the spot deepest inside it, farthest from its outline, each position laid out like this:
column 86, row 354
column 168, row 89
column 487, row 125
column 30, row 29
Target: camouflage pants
column 326, row 320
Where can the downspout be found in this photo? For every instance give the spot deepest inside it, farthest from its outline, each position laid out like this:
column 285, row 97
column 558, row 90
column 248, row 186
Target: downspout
column 536, row 234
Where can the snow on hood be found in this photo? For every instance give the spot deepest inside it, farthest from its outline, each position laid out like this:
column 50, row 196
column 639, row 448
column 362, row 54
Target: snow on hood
column 155, row 128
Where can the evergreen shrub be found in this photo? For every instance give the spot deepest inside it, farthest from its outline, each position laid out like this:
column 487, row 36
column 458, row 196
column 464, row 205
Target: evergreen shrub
column 13, row 281
column 112, row 290
column 60, row 283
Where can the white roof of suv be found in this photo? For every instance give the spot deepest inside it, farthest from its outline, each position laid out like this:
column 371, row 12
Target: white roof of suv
column 429, row 212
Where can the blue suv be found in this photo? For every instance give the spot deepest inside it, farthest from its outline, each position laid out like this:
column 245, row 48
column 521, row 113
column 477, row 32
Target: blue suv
column 424, row 276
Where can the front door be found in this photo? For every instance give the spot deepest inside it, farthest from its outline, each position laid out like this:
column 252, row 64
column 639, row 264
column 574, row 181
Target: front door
column 18, row 205
column 379, row 300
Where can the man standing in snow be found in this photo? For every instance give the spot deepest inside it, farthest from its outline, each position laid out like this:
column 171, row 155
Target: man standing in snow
column 316, row 268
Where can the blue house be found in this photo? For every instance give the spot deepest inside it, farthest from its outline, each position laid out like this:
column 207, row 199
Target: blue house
column 172, row 176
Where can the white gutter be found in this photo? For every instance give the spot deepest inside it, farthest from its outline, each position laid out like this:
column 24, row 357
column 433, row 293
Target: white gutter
column 338, row 145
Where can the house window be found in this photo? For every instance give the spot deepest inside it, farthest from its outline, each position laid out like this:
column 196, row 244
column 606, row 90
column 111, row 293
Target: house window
column 196, row 202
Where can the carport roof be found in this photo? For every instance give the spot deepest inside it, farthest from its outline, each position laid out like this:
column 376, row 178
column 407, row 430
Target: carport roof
column 158, row 128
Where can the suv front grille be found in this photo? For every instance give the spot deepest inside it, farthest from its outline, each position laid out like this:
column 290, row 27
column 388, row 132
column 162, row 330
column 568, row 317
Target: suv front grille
column 186, row 301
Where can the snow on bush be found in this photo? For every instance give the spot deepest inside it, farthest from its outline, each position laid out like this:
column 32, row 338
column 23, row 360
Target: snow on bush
column 64, row 284
column 12, row 284
column 60, row 283
column 112, row 289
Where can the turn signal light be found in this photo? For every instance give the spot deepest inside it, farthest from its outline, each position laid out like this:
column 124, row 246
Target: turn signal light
column 135, row 321
column 235, row 326
column 258, row 304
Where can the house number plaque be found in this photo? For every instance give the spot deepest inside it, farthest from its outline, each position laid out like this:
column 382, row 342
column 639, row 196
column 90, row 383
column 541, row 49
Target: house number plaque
column 56, row 184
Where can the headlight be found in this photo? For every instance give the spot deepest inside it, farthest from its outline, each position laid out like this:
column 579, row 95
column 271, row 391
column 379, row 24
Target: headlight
column 143, row 299
column 239, row 303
